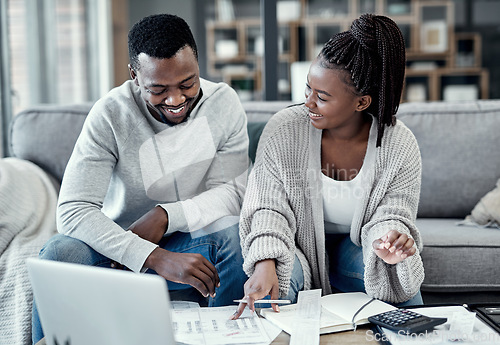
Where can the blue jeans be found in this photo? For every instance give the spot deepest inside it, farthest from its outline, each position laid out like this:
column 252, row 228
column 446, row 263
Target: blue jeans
column 346, row 270
column 221, row 248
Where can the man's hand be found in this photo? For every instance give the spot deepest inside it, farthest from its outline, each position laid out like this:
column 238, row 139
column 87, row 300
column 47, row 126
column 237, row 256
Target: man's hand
column 394, row 247
column 186, row 268
column 263, row 282
column 152, row 225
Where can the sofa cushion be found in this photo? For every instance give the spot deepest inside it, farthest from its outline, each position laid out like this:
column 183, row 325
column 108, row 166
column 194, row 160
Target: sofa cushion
column 46, row 134
column 460, row 158
column 459, row 258
column 261, row 111
column 254, row 131
column 258, row 113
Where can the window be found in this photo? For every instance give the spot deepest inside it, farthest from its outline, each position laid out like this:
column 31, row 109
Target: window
column 53, row 51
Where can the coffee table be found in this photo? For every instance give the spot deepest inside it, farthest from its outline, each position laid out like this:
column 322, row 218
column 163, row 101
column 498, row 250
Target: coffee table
column 358, row 337
column 362, row 335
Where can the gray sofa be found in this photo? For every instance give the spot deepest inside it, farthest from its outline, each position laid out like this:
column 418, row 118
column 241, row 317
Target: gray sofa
column 459, row 144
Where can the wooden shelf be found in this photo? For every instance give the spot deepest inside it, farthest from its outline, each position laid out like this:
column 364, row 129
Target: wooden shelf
column 428, row 27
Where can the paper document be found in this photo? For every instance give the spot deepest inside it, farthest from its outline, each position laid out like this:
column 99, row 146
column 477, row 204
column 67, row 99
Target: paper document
column 207, row 326
column 307, row 318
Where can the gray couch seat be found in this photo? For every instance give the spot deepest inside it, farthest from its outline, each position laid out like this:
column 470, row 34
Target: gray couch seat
column 459, row 258
column 459, row 144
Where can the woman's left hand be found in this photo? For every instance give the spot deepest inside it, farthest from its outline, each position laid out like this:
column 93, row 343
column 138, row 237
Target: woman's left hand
column 394, row 247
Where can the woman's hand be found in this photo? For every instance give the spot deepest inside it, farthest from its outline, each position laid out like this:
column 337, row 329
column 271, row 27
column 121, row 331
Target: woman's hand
column 263, row 282
column 394, row 247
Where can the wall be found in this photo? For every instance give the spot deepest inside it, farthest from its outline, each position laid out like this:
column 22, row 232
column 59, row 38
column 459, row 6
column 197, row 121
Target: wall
column 127, row 12
column 142, row 8
column 192, row 11
column 483, row 17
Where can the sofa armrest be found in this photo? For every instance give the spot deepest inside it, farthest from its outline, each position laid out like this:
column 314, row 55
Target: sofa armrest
column 46, row 135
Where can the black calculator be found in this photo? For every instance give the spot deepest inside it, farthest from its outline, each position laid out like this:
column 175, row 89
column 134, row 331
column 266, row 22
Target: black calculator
column 406, row 321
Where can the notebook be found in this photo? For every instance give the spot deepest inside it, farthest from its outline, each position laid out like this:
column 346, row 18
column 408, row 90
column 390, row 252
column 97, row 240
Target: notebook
column 84, row 305
column 339, row 312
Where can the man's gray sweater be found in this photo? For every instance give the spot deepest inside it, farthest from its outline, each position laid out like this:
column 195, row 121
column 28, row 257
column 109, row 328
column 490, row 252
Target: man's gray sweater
column 125, row 162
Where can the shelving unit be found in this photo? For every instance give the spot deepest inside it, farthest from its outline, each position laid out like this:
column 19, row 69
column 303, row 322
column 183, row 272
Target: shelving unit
column 441, row 64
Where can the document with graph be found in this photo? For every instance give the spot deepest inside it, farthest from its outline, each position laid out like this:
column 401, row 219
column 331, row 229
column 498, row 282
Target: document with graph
column 212, row 326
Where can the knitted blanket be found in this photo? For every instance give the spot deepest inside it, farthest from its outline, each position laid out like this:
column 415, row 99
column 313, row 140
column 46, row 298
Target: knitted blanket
column 28, row 198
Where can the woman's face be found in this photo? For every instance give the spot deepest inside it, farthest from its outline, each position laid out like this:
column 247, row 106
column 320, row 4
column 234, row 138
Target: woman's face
column 331, row 101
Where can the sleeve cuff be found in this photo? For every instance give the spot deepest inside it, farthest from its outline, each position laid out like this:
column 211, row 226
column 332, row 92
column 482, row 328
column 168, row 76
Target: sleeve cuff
column 136, row 254
column 176, row 219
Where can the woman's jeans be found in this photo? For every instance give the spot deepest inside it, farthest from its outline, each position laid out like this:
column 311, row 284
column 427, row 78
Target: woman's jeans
column 346, row 269
column 221, row 248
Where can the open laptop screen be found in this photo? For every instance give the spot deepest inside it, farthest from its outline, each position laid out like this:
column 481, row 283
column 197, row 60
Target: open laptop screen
column 85, row 305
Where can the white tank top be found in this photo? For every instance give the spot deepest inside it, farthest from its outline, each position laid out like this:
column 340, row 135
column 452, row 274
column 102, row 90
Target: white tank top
column 339, row 202
column 340, row 198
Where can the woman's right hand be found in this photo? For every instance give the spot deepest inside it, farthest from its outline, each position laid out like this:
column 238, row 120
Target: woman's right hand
column 263, row 282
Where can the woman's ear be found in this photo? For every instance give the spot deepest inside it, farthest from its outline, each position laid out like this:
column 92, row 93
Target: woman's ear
column 364, row 102
column 133, row 75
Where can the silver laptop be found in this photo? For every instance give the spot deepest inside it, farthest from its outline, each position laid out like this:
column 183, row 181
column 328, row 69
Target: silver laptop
column 85, row 305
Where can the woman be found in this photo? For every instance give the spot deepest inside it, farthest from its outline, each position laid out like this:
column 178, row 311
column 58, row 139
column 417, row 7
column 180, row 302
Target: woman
column 332, row 199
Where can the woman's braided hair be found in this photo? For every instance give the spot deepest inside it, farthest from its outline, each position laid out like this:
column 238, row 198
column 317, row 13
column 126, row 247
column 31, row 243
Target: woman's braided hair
column 373, row 52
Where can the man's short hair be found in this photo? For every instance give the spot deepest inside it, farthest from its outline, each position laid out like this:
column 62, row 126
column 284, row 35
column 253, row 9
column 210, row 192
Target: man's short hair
column 160, row 36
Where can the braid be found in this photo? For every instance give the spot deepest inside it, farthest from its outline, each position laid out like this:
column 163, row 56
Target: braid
column 373, row 51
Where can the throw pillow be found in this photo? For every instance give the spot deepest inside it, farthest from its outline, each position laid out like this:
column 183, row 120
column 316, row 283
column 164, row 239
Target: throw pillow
column 487, row 210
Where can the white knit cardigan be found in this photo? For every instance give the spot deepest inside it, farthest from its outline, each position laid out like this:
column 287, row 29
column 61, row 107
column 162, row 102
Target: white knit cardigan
column 282, row 213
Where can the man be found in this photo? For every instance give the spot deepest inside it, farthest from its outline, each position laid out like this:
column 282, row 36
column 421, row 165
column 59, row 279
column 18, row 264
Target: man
column 165, row 156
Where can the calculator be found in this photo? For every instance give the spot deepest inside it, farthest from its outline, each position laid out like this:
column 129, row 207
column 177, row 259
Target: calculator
column 406, row 321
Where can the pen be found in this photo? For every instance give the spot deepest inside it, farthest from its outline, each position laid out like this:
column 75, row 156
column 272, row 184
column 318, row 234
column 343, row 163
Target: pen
column 281, row 301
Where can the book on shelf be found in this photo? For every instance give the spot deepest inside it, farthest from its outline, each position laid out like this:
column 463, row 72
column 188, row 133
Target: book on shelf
column 339, row 312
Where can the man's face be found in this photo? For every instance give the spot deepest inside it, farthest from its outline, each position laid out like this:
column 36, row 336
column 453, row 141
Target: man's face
column 170, row 87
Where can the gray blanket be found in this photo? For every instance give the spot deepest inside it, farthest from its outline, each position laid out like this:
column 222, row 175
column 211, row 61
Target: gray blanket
column 28, row 198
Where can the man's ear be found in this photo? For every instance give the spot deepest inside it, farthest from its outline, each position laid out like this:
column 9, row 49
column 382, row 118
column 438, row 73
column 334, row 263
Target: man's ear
column 364, row 102
column 133, row 75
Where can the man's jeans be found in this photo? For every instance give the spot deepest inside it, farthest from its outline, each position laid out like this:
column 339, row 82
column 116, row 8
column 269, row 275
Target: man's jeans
column 221, row 248
column 346, row 269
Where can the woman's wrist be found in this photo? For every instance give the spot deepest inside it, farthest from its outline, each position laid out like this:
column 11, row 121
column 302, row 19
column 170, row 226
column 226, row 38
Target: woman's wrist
column 265, row 264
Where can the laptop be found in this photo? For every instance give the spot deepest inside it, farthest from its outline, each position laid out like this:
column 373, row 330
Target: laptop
column 82, row 305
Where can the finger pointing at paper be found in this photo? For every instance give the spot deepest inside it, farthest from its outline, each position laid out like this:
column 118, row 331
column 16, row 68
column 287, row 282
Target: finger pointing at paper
column 263, row 282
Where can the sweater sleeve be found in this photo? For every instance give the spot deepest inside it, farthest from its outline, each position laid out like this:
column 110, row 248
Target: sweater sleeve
column 396, row 209
column 85, row 185
column 267, row 222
